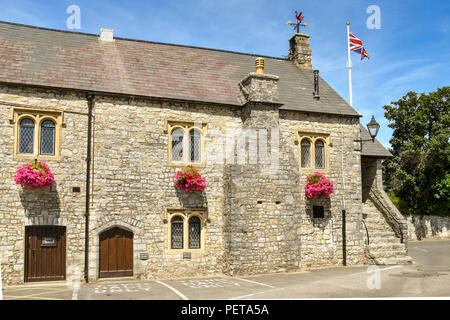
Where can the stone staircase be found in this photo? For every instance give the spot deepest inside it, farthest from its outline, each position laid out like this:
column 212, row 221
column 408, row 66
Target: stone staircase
column 385, row 247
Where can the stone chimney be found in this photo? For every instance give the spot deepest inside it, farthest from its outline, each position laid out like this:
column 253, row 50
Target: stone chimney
column 258, row 86
column 299, row 51
column 259, row 97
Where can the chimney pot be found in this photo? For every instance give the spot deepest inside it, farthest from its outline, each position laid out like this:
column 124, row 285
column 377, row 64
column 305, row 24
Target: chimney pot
column 259, row 62
column 106, row 35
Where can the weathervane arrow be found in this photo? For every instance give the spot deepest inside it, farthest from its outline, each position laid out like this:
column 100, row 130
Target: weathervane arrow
column 299, row 23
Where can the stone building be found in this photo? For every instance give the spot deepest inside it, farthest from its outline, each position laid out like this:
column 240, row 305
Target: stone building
column 116, row 118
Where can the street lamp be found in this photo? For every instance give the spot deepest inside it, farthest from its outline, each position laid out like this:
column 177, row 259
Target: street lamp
column 373, row 128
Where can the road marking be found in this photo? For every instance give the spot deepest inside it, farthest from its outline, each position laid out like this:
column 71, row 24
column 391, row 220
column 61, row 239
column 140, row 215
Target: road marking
column 182, row 296
column 383, row 269
column 419, row 249
column 37, row 298
column 261, row 284
column 209, row 283
column 35, row 294
column 246, row 296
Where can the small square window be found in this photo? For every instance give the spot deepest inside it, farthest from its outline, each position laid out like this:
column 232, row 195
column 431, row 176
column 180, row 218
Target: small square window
column 318, row 212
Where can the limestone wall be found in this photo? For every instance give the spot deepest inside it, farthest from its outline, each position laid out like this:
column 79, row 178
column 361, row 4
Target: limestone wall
column 428, row 227
column 321, row 239
column 252, row 225
column 57, row 206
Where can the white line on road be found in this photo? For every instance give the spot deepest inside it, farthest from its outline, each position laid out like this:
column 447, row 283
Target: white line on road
column 182, row 296
column 261, row 284
column 383, row 269
column 246, row 296
column 419, row 249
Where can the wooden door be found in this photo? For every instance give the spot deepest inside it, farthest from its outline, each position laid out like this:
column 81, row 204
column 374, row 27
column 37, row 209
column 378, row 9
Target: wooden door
column 45, row 253
column 116, row 253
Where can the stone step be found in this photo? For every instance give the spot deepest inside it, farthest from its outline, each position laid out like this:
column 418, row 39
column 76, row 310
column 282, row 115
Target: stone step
column 386, row 246
column 381, row 234
column 376, row 221
column 385, row 240
column 380, row 228
column 394, row 261
column 387, row 253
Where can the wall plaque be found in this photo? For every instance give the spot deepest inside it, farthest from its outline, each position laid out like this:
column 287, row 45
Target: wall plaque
column 143, row 256
column 186, row 255
column 48, row 242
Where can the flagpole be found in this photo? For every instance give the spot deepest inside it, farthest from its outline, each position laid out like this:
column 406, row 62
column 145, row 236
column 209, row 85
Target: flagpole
column 349, row 64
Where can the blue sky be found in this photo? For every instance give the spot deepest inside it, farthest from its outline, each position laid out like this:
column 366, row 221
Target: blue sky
column 411, row 51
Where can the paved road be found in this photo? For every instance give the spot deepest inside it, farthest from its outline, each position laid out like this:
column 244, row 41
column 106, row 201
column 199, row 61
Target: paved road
column 428, row 277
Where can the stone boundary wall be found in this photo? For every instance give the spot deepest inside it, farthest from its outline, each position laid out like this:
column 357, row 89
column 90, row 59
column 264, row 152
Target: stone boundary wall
column 434, row 227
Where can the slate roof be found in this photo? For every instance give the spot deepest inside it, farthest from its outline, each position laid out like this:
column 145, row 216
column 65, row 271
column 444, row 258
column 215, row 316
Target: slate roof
column 72, row 60
column 372, row 149
column 38, row 56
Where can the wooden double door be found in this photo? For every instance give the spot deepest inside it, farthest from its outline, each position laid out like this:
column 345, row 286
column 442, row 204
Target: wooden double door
column 45, row 253
column 116, row 253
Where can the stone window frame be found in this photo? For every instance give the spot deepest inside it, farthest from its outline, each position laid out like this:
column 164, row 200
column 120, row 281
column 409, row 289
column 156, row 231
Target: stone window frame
column 186, row 214
column 186, row 126
column 313, row 137
column 38, row 116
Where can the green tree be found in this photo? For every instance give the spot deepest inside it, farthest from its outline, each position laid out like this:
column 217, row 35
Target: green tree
column 418, row 176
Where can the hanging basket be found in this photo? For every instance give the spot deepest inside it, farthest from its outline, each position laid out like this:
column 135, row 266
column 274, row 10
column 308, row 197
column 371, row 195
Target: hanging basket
column 34, row 175
column 189, row 180
column 318, row 186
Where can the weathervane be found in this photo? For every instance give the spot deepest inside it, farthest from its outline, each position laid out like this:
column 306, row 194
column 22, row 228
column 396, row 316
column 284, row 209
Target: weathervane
column 299, row 23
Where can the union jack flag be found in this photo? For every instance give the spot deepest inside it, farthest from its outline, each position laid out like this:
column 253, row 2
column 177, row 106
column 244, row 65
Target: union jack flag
column 356, row 46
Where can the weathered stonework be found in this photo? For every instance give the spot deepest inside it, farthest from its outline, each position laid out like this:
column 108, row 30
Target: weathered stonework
column 299, row 51
column 428, row 227
column 386, row 230
column 257, row 220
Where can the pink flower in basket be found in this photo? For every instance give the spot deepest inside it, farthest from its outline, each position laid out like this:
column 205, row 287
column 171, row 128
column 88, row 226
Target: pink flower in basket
column 35, row 175
column 318, row 187
column 189, row 180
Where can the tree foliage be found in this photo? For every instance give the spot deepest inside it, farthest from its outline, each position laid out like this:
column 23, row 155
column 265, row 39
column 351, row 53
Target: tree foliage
column 418, row 175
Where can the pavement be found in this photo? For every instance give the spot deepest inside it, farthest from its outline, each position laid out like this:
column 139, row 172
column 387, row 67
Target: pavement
column 429, row 276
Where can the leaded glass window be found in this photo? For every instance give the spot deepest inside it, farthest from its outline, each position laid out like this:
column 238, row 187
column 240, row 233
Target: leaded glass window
column 194, row 233
column 47, row 138
column 305, row 153
column 176, row 230
column 319, row 150
column 177, row 145
column 26, row 136
column 195, row 145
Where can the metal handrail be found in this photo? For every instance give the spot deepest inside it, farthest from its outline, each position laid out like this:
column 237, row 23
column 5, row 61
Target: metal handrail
column 367, row 231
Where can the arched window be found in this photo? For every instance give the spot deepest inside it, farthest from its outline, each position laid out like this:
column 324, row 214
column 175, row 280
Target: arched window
column 319, row 150
column 176, row 230
column 47, row 142
column 177, row 145
column 305, row 153
column 194, row 233
column 195, row 145
column 26, row 136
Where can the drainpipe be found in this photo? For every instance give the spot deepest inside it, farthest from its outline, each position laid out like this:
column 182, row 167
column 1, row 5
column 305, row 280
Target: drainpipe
column 344, row 240
column 90, row 100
